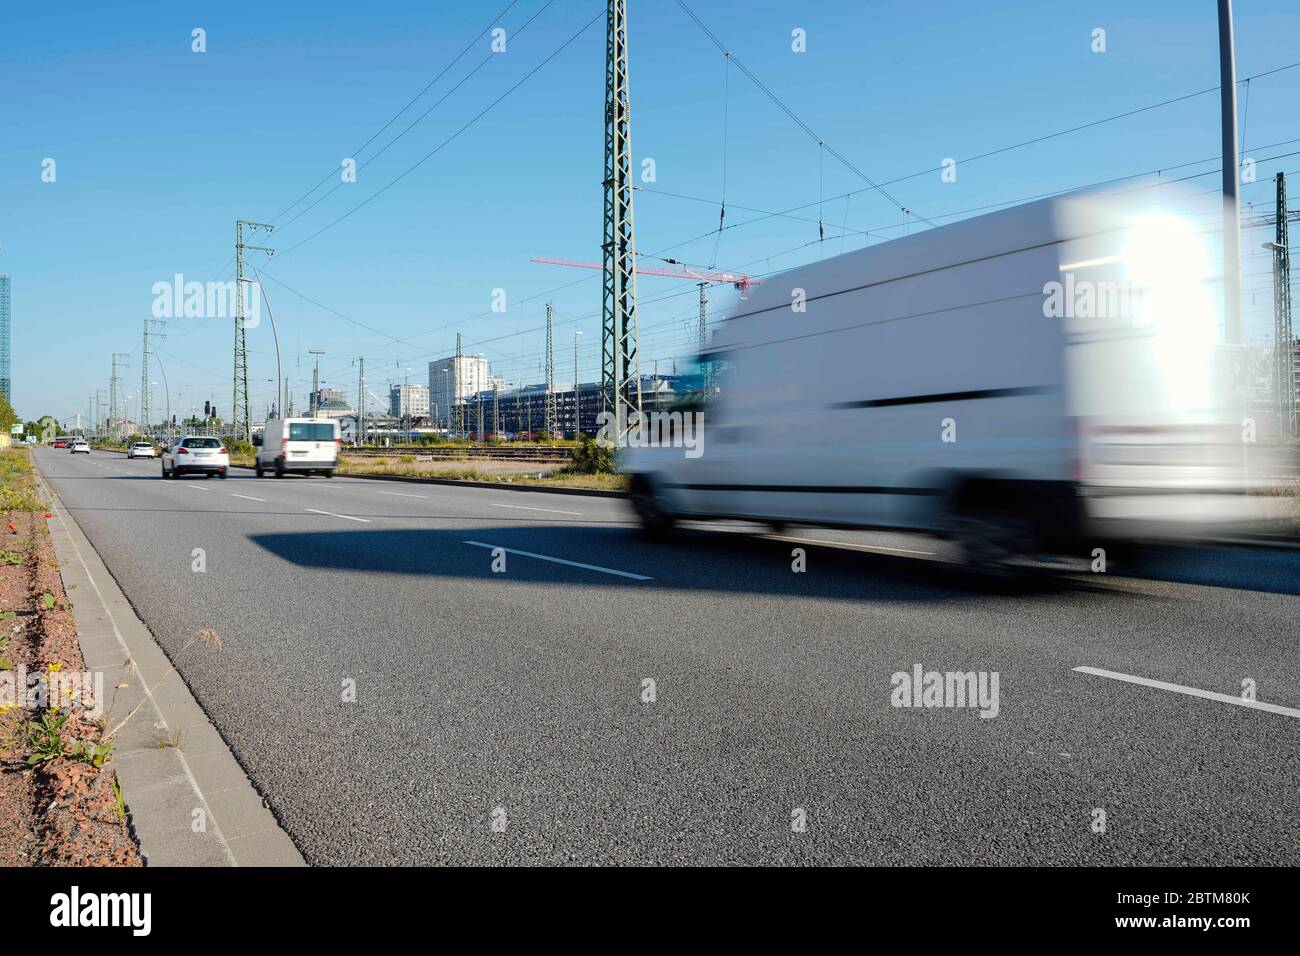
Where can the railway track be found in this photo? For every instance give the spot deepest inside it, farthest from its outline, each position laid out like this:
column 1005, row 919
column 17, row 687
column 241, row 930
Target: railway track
column 549, row 454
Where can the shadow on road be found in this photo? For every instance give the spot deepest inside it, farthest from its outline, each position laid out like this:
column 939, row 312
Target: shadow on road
column 694, row 560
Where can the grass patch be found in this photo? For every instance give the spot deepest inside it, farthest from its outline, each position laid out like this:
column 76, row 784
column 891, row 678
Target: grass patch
column 526, row 475
column 17, row 484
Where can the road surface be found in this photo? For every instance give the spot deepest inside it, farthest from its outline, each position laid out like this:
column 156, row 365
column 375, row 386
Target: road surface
column 502, row 716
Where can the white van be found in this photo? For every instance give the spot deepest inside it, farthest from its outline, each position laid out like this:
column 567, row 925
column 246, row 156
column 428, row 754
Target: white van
column 303, row 445
column 1040, row 379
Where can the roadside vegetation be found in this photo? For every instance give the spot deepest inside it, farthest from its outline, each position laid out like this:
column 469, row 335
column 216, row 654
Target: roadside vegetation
column 59, row 801
column 506, row 473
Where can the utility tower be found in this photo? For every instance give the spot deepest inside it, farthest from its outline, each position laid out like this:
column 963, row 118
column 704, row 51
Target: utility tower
column 313, row 400
column 496, row 413
column 144, row 372
column 114, row 417
column 551, row 424
column 456, row 404
column 478, row 409
column 239, row 411
column 1284, row 338
column 620, row 336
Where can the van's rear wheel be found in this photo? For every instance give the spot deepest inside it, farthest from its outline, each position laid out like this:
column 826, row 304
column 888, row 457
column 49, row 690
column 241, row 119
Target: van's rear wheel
column 656, row 521
column 991, row 541
column 257, row 467
column 990, row 530
column 279, row 468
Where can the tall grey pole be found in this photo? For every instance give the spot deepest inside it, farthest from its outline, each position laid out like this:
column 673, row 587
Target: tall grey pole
column 577, row 396
column 1231, row 204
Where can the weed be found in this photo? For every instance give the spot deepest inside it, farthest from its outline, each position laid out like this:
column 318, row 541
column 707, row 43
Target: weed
column 119, row 805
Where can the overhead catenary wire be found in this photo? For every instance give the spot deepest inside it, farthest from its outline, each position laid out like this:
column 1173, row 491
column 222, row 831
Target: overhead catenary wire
column 767, row 91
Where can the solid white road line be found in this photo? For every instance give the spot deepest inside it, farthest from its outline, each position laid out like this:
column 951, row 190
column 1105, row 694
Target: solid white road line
column 1191, row 691
column 334, row 515
column 553, row 511
column 248, row 497
column 572, row 564
column 195, row 487
column 400, row 494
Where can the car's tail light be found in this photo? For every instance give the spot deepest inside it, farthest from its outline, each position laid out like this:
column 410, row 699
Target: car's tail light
column 221, row 451
column 183, row 451
column 339, row 442
column 284, row 443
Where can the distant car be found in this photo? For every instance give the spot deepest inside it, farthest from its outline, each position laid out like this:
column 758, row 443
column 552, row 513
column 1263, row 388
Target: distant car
column 299, row 444
column 80, row 445
column 141, row 449
column 60, row 444
column 195, row 454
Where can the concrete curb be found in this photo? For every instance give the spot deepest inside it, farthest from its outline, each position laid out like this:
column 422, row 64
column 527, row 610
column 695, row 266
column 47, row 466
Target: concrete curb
column 501, row 485
column 166, row 790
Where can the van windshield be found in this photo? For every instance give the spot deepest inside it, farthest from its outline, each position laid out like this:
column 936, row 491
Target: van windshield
column 704, row 381
column 311, row 431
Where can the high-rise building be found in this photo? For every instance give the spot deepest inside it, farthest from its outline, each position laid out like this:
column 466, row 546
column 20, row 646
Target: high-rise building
column 409, row 401
column 6, row 388
column 445, row 379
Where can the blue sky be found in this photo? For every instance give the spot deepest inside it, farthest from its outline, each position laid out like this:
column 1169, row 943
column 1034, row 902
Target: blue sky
column 159, row 150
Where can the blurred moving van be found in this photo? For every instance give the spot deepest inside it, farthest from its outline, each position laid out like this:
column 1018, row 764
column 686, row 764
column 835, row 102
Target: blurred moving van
column 303, row 445
column 1045, row 378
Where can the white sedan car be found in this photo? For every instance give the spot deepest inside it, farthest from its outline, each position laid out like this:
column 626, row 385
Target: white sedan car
column 79, row 446
column 141, row 449
column 194, row 455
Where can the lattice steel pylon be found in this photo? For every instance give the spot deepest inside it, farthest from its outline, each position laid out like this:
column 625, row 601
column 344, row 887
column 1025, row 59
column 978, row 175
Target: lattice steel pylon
column 240, row 418
column 1284, row 337
column 145, row 411
column 114, row 411
column 551, row 411
column 620, row 335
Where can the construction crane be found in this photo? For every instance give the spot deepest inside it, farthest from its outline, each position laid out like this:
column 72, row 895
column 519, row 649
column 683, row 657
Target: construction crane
column 737, row 279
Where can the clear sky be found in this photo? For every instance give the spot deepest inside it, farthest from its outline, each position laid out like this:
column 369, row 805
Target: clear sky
column 159, row 149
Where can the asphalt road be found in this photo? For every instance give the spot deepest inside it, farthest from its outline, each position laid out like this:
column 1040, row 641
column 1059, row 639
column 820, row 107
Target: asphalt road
column 516, row 697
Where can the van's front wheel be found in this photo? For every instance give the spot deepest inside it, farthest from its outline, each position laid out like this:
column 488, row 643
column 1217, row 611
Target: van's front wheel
column 656, row 521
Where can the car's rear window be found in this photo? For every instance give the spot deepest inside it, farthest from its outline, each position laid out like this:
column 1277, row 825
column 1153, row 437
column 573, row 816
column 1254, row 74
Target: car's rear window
column 201, row 443
column 311, row 431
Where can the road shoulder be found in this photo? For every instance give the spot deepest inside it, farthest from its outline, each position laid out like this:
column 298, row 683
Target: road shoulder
column 191, row 805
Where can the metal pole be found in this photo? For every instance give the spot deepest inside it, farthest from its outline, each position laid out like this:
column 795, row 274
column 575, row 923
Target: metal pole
column 577, row 401
column 314, row 403
column 1231, row 205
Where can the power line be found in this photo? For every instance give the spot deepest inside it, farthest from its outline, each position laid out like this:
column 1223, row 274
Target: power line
column 410, row 169
column 878, row 187
column 393, row 119
column 419, row 119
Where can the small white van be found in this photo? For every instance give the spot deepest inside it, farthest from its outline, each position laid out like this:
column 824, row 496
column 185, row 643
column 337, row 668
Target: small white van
column 305, row 445
column 1042, row 379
